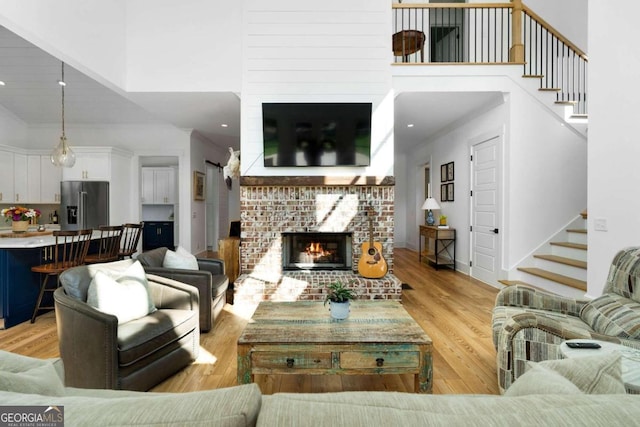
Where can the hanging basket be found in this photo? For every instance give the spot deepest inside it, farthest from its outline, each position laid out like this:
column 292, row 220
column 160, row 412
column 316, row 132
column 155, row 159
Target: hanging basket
column 19, row 226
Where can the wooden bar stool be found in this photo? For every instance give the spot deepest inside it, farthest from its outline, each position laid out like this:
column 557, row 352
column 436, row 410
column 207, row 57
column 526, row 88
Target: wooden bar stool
column 109, row 245
column 70, row 250
column 129, row 241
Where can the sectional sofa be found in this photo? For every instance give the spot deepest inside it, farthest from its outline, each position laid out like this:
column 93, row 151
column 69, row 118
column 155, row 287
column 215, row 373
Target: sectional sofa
column 583, row 391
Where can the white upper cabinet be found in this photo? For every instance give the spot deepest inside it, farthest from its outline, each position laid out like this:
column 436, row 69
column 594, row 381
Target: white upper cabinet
column 89, row 166
column 158, row 186
column 50, row 177
column 20, row 174
column 7, row 177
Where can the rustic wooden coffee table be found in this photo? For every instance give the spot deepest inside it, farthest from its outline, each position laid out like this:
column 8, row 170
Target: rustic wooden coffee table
column 299, row 337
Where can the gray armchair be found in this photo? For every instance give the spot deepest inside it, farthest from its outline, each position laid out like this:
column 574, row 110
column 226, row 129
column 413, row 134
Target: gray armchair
column 210, row 280
column 100, row 353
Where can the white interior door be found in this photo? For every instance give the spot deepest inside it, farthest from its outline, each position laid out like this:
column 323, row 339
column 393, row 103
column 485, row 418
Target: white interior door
column 484, row 215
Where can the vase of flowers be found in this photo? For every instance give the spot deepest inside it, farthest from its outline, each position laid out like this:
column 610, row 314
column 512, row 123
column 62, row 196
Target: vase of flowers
column 21, row 217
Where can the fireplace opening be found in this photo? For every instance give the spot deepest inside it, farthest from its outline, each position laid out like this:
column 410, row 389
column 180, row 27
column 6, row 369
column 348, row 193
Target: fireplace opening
column 316, row 251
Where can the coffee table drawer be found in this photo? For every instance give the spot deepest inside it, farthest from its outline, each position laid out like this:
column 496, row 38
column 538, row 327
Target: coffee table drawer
column 379, row 359
column 278, row 360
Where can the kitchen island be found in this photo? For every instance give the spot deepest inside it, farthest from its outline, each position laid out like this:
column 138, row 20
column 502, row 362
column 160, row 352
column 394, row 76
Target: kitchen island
column 19, row 286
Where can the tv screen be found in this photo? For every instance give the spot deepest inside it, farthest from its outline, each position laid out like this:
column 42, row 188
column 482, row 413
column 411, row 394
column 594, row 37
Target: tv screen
column 316, row 134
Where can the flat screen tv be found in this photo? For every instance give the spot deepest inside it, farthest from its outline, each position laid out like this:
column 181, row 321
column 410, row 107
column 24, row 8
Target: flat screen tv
column 316, row 134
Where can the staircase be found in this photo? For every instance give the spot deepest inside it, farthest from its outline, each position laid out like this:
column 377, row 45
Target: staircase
column 561, row 267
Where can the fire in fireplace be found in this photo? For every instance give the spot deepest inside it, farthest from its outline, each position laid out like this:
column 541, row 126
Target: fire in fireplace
column 316, row 250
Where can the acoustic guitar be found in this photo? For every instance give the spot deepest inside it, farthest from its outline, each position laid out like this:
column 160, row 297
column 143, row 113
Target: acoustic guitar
column 372, row 264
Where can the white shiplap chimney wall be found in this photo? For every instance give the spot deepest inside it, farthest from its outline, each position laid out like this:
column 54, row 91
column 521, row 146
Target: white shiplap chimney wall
column 317, row 51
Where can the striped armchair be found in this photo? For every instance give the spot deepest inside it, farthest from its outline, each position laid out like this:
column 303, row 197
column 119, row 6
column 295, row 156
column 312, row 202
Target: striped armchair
column 530, row 324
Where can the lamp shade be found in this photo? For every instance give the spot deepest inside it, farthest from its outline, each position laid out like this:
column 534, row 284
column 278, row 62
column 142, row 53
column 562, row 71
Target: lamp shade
column 430, row 203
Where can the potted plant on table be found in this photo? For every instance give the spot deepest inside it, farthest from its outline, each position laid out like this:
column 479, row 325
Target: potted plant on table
column 20, row 216
column 338, row 297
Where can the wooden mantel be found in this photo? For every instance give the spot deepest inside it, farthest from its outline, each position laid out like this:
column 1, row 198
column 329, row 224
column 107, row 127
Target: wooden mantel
column 316, row 181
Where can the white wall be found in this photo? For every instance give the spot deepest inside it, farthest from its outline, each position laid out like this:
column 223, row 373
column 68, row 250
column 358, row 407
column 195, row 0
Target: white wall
column 329, row 51
column 89, row 35
column 613, row 139
column 544, row 165
column 200, row 151
column 569, row 17
column 452, row 145
column 13, row 131
column 187, row 45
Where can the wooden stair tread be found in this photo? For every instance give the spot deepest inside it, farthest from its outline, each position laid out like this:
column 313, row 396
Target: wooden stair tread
column 563, row 260
column 559, row 278
column 519, row 282
column 566, row 102
column 549, row 89
column 532, row 76
column 570, row 245
column 577, row 230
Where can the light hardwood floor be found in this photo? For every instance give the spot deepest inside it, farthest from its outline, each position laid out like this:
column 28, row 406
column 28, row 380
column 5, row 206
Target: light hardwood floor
column 452, row 308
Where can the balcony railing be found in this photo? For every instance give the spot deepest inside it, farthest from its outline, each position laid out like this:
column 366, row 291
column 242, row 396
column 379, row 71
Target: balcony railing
column 491, row 33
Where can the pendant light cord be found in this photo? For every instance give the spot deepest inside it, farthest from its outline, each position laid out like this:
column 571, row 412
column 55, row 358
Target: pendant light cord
column 62, row 86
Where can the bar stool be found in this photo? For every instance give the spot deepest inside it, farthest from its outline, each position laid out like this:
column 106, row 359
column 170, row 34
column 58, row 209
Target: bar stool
column 130, row 238
column 109, row 245
column 70, row 250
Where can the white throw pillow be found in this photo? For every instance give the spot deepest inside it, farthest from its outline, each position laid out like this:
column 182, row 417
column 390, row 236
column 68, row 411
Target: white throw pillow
column 599, row 374
column 126, row 297
column 180, row 259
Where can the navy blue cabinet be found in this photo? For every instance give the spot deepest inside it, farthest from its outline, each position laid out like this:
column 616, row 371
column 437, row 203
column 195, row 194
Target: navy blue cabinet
column 157, row 234
column 19, row 286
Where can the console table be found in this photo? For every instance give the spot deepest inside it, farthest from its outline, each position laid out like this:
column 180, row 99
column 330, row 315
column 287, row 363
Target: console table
column 444, row 246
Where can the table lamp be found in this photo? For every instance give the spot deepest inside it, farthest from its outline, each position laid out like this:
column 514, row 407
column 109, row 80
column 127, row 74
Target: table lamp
column 430, row 204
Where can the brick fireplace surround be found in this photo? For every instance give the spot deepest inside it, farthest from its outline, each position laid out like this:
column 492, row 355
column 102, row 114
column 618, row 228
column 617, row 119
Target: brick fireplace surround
column 270, row 206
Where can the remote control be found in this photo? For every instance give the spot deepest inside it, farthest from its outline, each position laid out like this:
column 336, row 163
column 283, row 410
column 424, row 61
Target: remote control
column 581, row 344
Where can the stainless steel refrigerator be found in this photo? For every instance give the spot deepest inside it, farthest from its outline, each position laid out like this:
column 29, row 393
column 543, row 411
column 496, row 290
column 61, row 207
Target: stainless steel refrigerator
column 84, row 204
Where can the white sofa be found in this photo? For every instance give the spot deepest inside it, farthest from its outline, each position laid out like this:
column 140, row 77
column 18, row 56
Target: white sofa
column 549, row 395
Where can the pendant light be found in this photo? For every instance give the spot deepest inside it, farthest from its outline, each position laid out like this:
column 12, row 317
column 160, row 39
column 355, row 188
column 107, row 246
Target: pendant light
column 62, row 155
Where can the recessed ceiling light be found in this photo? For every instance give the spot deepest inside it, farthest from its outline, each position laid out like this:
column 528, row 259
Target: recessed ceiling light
column 61, row 83
column 224, row 125
column 1, row 83
column 410, row 125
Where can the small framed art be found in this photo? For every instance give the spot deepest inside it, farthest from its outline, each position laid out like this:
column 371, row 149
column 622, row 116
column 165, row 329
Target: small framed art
column 450, row 192
column 450, row 171
column 443, row 173
column 443, row 192
column 198, row 185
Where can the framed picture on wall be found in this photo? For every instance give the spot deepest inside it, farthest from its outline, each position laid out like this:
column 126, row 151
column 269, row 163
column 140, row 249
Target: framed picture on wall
column 450, row 171
column 443, row 173
column 450, row 192
column 198, row 185
column 443, row 193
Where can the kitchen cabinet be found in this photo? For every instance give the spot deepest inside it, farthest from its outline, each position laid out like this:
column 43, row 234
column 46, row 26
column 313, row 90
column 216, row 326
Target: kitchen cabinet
column 19, row 286
column 158, row 186
column 50, row 177
column 157, row 234
column 20, row 174
column 90, row 166
column 7, row 176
